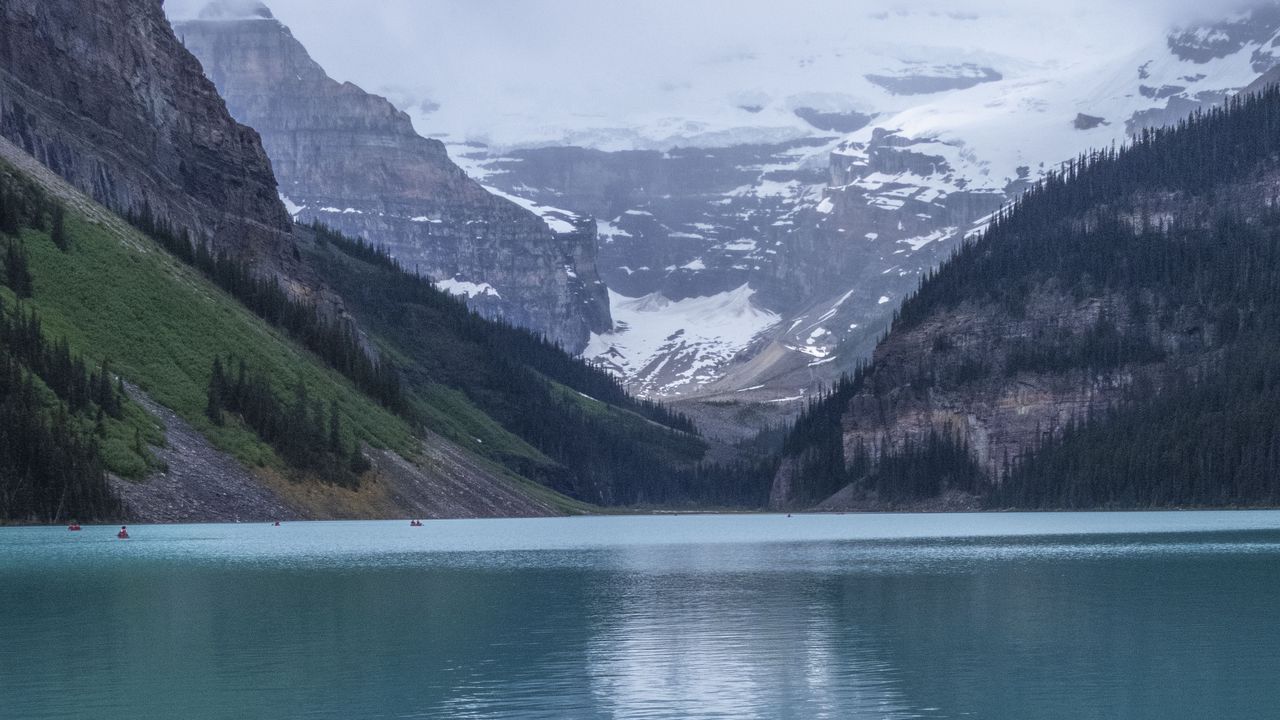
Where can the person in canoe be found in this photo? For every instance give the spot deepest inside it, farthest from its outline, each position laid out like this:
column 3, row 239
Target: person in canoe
column 75, row 525
column 124, row 533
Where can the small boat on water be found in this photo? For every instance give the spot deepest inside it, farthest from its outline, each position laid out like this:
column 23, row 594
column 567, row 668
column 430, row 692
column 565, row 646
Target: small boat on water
column 74, row 527
column 124, row 533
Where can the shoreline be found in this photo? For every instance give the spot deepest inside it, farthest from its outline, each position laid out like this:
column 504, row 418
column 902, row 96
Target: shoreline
column 6, row 524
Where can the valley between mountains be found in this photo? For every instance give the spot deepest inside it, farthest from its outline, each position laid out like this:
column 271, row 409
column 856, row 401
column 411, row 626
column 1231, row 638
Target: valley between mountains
column 962, row 275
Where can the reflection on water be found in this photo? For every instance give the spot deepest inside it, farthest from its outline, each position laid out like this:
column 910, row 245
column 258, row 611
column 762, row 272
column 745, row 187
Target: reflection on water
column 731, row 644
column 1007, row 616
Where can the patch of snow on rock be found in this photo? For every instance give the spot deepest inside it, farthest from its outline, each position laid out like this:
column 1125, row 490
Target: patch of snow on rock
column 670, row 346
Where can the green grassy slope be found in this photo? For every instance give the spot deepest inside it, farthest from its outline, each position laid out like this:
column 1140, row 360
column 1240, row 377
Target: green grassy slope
column 548, row 423
column 114, row 295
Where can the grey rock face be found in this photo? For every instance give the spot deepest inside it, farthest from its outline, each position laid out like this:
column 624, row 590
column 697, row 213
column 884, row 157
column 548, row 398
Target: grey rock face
column 841, row 122
column 665, row 211
column 685, row 223
column 928, row 80
column 102, row 93
column 697, row 222
column 200, row 483
column 1202, row 45
column 351, row 160
column 1088, row 122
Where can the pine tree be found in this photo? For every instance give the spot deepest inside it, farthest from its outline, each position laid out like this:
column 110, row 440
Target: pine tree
column 17, row 273
column 358, row 463
column 10, row 223
column 335, row 432
column 59, row 231
column 217, row 391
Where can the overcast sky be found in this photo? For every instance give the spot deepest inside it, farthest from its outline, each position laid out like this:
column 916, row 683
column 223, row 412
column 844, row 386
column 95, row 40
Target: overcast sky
column 596, row 62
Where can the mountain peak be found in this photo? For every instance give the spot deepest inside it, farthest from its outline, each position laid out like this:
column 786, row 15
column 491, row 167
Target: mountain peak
column 236, row 10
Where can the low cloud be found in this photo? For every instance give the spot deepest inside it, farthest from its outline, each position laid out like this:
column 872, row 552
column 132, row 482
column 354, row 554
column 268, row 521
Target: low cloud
column 481, row 59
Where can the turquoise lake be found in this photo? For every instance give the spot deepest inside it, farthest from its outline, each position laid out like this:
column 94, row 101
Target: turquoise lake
column 1003, row 616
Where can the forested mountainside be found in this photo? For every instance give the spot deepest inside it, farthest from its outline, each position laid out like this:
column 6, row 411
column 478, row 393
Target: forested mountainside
column 1110, row 341
column 353, row 161
column 141, row 357
column 546, row 415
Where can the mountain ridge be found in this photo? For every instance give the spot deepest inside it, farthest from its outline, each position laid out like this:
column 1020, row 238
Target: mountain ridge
column 843, row 225
column 353, row 160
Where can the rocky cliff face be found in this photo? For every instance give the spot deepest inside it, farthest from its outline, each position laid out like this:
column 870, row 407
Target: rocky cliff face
column 101, row 92
column 351, row 160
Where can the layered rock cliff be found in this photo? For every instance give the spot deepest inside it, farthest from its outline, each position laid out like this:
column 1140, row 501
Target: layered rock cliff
column 102, row 93
column 353, row 161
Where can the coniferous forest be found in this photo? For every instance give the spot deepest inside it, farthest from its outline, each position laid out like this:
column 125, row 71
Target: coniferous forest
column 53, row 404
column 1203, row 430
column 602, row 445
column 306, row 433
column 332, row 340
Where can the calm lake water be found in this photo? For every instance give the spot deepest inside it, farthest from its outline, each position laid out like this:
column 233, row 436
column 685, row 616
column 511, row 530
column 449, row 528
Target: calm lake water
column 1019, row 616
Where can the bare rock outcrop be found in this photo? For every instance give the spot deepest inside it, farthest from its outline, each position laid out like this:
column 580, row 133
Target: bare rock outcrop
column 199, row 483
column 353, row 161
column 102, row 93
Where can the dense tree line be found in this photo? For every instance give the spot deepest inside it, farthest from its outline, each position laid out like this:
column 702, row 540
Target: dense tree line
column 333, row 340
column 901, row 472
column 917, row 468
column 1042, row 233
column 305, row 433
column 23, row 204
column 739, row 484
column 17, row 271
column 50, row 462
column 1212, row 440
column 627, row 452
column 503, row 339
column 50, row 469
column 1104, row 346
column 64, row 372
column 815, row 445
column 602, row 452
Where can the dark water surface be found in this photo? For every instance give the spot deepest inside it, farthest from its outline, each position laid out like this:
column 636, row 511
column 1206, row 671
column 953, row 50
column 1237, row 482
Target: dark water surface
column 1018, row 616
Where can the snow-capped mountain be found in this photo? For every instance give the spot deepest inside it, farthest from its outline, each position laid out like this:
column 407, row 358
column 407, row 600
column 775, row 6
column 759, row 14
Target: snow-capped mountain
column 770, row 267
column 769, row 180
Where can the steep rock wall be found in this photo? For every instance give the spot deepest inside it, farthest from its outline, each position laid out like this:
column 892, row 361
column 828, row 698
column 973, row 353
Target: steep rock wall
column 353, row 161
column 101, row 92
